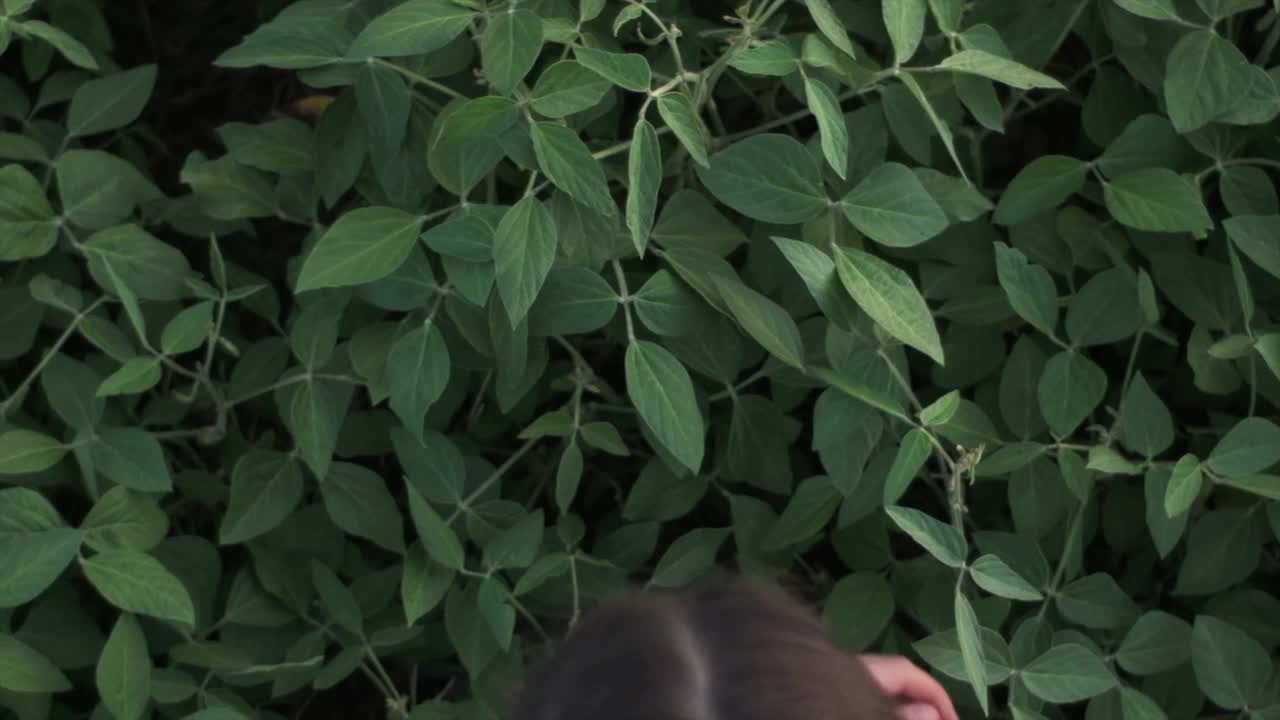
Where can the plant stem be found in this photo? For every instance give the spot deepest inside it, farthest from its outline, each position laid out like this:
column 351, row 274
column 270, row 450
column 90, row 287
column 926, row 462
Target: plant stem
column 465, row 505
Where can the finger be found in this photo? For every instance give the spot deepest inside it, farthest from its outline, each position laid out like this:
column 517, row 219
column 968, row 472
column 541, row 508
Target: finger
column 917, row 711
column 898, row 677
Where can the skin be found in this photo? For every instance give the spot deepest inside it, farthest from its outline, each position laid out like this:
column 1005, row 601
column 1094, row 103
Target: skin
column 917, row 695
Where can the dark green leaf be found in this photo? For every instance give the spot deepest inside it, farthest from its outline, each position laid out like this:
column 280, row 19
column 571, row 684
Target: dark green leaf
column 767, row 177
column 124, row 670
column 138, row 583
column 662, row 392
column 1157, row 200
column 891, row 207
column 413, row 28
column 110, row 102
column 889, row 296
column 943, row 542
column 567, row 161
column 511, row 43
column 1068, row 673
column 1233, row 669
column 364, row 245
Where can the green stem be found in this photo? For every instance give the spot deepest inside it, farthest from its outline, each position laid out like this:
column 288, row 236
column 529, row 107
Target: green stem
column 626, row 300
column 465, row 505
column 7, row 405
column 422, row 80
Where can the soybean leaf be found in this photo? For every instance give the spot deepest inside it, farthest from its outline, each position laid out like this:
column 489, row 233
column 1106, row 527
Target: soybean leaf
column 124, row 670
column 689, row 557
column 888, row 295
column 438, row 539
column 662, row 392
column 1157, row 200
column 1256, row 236
column 942, row 541
column 266, row 487
column 1029, row 287
column 124, row 519
column 28, row 223
column 364, row 245
column 565, row 159
column 110, row 102
column 412, row 28
column 1042, row 184
column 30, row 562
column 971, row 648
column 993, row 575
column 567, row 87
column 644, row 177
column 358, row 502
column 904, row 19
column 1233, row 669
column 24, row 451
column 829, row 24
column 679, row 114
column 1252, row 446
column 1206, row 77
column 524, row 249
column 1070, row 388
column 629, row 71
column 1145, row 425
column 833, row 134
column 136, row 582
column 764, row 320
column 766, row 177
column 24, row 670
column 1157, row 642
column 510, row 46
column 1067, row 673
column 1003, row 70
column 892, row 207
column 417, row 372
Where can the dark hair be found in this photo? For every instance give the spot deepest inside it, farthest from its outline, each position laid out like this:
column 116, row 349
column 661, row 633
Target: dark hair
column 729, row 649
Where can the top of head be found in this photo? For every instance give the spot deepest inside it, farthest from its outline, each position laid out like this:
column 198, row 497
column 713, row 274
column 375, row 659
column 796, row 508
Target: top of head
column 726, row 650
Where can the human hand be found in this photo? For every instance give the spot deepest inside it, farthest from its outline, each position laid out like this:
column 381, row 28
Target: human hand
column 917, row 696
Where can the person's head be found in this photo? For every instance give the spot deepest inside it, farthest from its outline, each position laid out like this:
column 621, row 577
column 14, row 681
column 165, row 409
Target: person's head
column 730, row 649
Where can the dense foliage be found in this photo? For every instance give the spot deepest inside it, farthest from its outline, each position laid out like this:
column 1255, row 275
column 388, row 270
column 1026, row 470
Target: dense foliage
column 339, row 372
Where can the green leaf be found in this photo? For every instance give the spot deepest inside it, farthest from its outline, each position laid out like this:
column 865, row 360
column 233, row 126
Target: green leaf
column 629, row 71
column 364, row 245
column 70, row 48
column 516, row 546
column 911, row 456
column 773, row 58
column 1044, row 183
column 904, row 19
column 314, row 412
column 23, row 670
column 892, row 207
column 31, row 561
column 940, row 411
column 1105, row 310
column 764, row 320
column 688, row 558
column 889, row 296
column 125, row 520
column 644, row 178
column 818, row 271
column 124, row 670
column 412, row 28
column 383, row 99
column 1002, row 70
column 1029, row 287
column 1096, row 601
column 110, row 102
column 1153, row 9
column 1071, row 387
column 1157, row 200
column 568, row 475
column 829, row 24
column 417, row 372
column 1251, row 446
column 1232, row 668
column 858, row 609
column 939, row 125
column 302, row 36
column 604, row 436
column 993, row 575
column 833, row 134
column 567, row 87
column 28, row 226
column 424, row 584
column 1156, row 643
column 138, row 583
column 679, row 114
column 1145, row 425
column 23, row 452
column 663, row 395
column 1223, row 548
column 767, row 177
column 1068, row 673
column 810, row 508
column 1256, row 236
column 511, row 44
column 188, row 329
column 1206, row 77
column 132, row 458
column 438, row 539
column 524, row 248
column 359, row 504
column 659, row 495
column 1184, row 486
column 942, row 650
column 971, row 649
column 942, row 541
column 266, row 487
column 339, row 602
column 574, row 301
column 567, row 161
column 98, row 189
